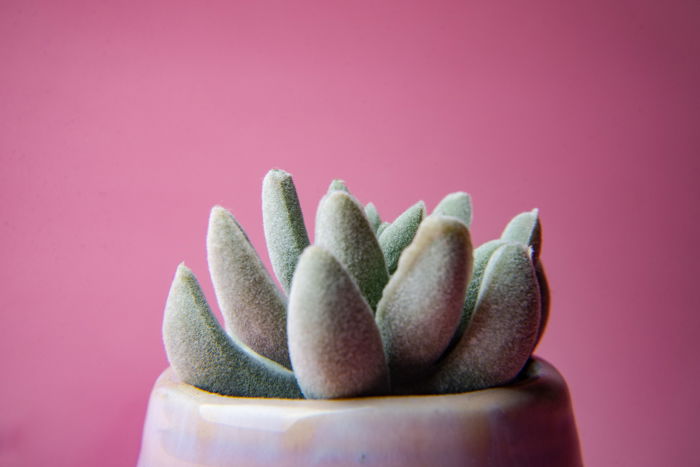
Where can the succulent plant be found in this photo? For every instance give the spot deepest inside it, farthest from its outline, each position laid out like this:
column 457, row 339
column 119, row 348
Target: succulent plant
column 371, row 308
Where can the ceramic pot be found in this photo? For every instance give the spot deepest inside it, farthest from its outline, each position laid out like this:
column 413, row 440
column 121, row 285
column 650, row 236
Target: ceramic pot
column 527, row 423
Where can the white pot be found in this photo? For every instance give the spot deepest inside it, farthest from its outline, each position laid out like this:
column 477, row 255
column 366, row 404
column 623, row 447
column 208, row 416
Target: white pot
column 527, row 423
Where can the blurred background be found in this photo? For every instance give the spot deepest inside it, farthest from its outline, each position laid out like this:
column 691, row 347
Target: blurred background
column 122, row 123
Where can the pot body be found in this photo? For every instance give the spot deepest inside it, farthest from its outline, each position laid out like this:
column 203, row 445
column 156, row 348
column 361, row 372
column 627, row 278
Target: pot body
column 527, row 423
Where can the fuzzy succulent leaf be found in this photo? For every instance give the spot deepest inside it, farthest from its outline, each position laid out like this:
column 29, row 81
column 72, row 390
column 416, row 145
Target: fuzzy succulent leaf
column 422, row 303
column 525, row 228
column 373, row 216
column 501, row 334
column 285, row 232
column 338, row 185
column 399, row 234
column 382, row 227
column 544, row 298
column 482, row 254
column 458, row 204
column 253, row 308
column 203, row 355
column 343, row 229
column 335, row 347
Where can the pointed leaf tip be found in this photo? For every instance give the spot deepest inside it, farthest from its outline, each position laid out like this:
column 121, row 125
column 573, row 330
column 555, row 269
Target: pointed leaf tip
column 203, row 355
column 525, row 228
column 343, row 230
column 458, row 204
column 338, row 185
column 373, row 216
column 399, row 234
column 253, row 308
column 283, row 221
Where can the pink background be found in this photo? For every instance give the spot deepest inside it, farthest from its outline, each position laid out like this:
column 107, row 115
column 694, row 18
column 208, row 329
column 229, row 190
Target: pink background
column 121, row 124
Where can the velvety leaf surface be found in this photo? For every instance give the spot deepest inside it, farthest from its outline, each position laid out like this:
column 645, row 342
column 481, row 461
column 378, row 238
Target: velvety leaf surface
column 335, row 347
column 253, row 308
column 382, row 227
column 457, row 205
column 285, row 232
column 481, row 256
column 373, row 216
column 203, row 355
column 399, row 234
column 501, row 334
column 525, row 228
column 422, row 303
column 343, row 230
column 338, row 185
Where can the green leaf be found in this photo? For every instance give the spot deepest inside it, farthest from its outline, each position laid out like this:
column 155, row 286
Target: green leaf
column 422, row 303
column 501, row 334
column 342, row 229
column 203, row 355
column 382, row 227
column 482, row 254
column 335, row 346
column 254, row 310
column 338, row 185
column 457, row 205
column 285, row 232
column 545, row 298
column 399, row 234
column 525, row 228
column 373, row 216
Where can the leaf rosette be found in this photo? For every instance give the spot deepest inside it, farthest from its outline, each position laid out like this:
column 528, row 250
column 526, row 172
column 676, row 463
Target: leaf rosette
column 370, row 308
